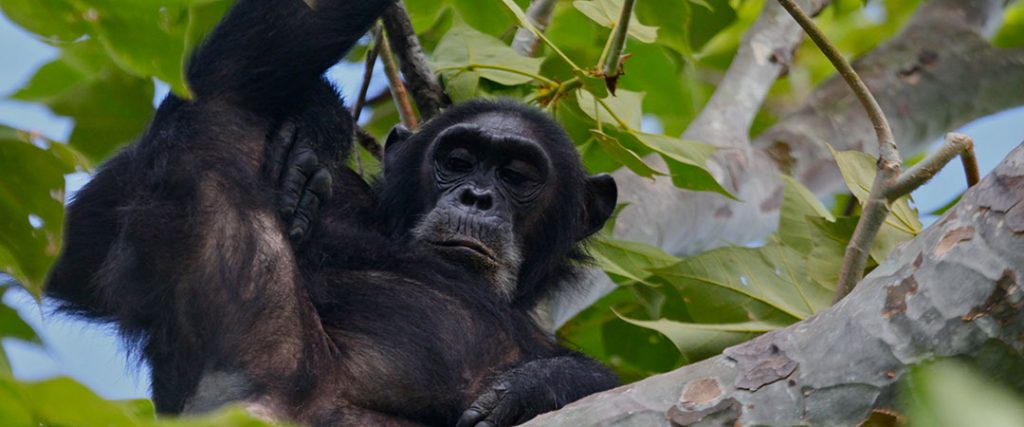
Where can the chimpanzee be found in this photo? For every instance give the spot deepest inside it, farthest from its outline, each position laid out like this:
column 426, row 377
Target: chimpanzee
column 247, row 264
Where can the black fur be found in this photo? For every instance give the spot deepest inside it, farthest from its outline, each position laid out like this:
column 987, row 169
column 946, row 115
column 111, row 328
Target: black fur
column 178, row 240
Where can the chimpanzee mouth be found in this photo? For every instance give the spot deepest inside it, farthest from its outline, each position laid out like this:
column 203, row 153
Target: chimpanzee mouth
column 467, row 244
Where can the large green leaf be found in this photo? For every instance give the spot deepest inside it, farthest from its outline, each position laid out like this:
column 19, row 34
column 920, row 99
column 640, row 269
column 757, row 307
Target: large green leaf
column 697, row 341
column 686, row 161
column 798, row 203
column 625, row 106
column 31, row 205
column 146, row 38
column 64, row 402
column 951, row 394
column 736, row 284
column 606, row 13
column 629, row 158
column 465, row 50
column 109, row 106
column 859, row 172
column 629, row 263
column 55, row 21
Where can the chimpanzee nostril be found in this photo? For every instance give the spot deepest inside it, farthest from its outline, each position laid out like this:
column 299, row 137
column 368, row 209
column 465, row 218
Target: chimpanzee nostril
column 475, row 197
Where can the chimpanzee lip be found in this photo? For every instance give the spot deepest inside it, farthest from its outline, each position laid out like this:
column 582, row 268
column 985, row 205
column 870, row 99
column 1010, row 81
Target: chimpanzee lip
column 471, row 244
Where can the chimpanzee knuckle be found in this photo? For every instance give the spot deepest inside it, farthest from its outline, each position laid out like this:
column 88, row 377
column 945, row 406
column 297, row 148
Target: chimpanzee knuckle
column 470, row 418
column 321, row 183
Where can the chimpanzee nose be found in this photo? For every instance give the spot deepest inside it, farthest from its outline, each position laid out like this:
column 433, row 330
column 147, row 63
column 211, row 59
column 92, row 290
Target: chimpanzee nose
column 476, row 197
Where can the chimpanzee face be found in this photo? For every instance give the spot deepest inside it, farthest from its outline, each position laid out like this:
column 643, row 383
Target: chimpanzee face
column 500, row 192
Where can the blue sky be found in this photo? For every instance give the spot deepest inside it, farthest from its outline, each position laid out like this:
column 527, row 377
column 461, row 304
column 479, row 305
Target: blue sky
column 91, row 353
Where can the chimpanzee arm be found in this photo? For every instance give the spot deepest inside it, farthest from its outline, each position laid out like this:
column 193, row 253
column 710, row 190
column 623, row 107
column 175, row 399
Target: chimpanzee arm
column 178, row 239
column 535, row 387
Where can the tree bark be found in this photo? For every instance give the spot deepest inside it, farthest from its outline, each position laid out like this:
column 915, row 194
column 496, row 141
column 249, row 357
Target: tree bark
column 938, row 74
column 955, row 290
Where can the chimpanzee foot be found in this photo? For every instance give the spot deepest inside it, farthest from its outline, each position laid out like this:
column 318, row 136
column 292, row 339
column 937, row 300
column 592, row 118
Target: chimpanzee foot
column 302, row 184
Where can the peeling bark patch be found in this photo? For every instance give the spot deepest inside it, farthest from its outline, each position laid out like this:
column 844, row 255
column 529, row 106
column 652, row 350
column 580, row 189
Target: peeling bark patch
column 723, row 212
column 918, row 261
column 699, row 392
column 1002, row 194
column 726, row 412
column 896, row 297
column 773, row 202
column 951, row 238
column 1004, row 304
column 781, row 154
column 760, row 362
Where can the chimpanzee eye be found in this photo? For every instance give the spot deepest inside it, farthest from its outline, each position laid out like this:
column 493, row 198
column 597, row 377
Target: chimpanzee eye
column 459, row 162
column 513, row 177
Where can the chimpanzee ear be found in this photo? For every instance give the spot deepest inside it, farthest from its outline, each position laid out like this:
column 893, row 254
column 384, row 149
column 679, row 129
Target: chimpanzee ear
column 396, row 137
column 602, row 194
column 396, row 140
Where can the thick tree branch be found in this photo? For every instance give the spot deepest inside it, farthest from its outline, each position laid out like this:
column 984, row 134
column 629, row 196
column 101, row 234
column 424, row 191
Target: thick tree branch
column 955, row 290
column 937, row 75
column 539, row 13
column 426, row 90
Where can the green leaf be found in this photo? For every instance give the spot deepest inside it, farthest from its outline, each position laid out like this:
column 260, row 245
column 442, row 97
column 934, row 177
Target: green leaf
column 686, row 161
column 735, row 284
column 798, row 203
column 55, row 21
column 606, row 13
column 949, row 394
column 110, row 107
column 12, row 326
column 1011, row 34
column 623, row 155
column 626, row 105
column 424, row 13
column 486, row 16
column 698, row 341
column 146, row 38
column 461, row 85
column 859, row 172
column 629, row 263
column 465, row 49
column 31, row 190
column 947, row 206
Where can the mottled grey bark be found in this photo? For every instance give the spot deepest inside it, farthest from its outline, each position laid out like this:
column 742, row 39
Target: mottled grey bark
column 938, row 74
column 955, row 290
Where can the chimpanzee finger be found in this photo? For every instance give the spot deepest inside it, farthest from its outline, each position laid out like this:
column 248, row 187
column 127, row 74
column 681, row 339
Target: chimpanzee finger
column 505, row 413
column 279, row 150
column 479, row 409
column 301, row 165
column 317, row 191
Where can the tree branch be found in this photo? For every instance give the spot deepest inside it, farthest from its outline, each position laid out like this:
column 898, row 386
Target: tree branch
column 616, row 43
column 539, row 13
column 959, row 278
column 956, row 145
column 398, row 91
column 426, row 90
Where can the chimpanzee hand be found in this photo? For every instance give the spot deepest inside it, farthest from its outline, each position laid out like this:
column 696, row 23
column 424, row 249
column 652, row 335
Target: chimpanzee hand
column 513, row 398
column 302, row 184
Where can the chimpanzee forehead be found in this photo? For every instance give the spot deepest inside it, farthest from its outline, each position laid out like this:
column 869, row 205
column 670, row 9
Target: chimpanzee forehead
column 505, row 124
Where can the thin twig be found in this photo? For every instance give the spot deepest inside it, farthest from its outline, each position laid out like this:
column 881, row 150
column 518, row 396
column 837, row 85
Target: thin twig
column 969, row 161
column 617, row 44
column 539, row 13
column 398, row 91
column 956, row 145
column 876, row 207
column 423, row 83
column 371, row 61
